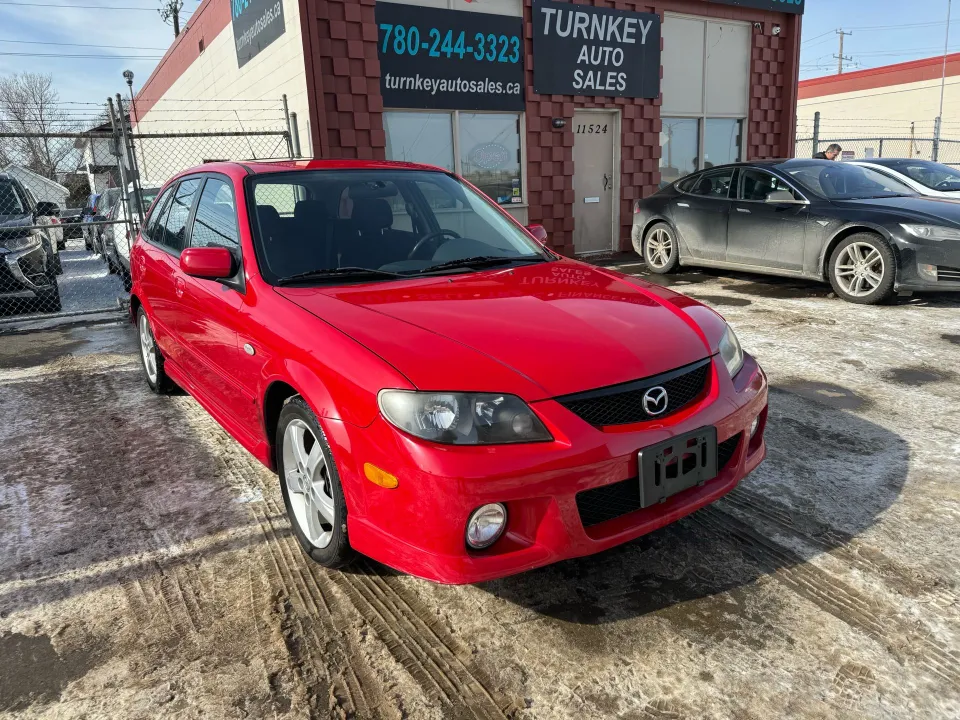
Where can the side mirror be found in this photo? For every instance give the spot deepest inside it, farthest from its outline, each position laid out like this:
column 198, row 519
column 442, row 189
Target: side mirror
column 539, row 232
column 211, row 263
column 48, row 208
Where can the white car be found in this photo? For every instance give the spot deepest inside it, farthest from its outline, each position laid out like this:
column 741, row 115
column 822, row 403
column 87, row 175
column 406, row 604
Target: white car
column 922, row 176
column 118, row 238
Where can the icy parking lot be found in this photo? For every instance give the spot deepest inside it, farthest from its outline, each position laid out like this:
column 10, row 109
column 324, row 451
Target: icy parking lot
column 150, row 571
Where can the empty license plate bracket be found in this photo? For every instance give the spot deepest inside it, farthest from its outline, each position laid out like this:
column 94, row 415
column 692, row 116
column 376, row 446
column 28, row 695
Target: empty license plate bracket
column 677, row 464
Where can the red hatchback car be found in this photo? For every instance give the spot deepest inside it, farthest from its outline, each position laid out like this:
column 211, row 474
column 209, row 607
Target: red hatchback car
column 435, row 389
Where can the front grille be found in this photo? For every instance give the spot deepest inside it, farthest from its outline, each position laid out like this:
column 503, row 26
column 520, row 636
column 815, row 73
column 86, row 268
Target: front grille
column 611, row 501
column 948, row 273
column 623, row 404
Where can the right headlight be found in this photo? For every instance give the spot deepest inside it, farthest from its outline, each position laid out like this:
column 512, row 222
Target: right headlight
column 463, row 418
column 932, row 232
column 22, row 242
column 730, row 351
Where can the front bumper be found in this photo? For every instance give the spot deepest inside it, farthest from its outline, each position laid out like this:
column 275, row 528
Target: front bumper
column 944, row 255
column 22, row 271
column 418, row 527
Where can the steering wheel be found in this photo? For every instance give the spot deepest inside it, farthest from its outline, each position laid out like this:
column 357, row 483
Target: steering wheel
column 944, row 184
column 432, row 237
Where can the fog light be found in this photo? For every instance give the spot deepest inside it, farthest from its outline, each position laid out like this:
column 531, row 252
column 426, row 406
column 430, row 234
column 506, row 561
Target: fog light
column 485, row 526
column 927, row 272
column 754, row 425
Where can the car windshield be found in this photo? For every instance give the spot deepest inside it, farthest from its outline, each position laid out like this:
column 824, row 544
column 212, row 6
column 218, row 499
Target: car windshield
column 323, row 225
column 935, row 176
column 9, row 200
column 840, row 181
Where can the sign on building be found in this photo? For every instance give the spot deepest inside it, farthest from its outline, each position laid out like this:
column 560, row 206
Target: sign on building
column 788, row 6
column 448, row 59
column 256, row 24
column 583, row 50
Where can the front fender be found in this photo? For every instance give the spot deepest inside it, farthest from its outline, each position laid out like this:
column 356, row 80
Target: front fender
column 849, row 229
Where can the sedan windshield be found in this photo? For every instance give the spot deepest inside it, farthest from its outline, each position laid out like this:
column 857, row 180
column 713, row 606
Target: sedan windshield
column 935, row 176
column 332, row 226
column 839, row 181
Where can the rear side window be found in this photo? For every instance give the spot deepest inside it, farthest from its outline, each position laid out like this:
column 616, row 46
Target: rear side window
column 173, row 234
column 215, row 224
column 759, row 186
column 713, row 184
column 10, row 203
column 686, row 184
column 154, row 218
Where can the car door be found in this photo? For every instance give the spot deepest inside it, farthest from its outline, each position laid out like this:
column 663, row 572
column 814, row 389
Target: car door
column 163, row 280
column 767, row 223
column 208, row 313
column 700, row 213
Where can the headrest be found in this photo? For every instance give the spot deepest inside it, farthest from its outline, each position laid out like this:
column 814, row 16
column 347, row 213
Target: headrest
column 310, row 211
column 705, row 186
column 267, row 215
column 372, row 214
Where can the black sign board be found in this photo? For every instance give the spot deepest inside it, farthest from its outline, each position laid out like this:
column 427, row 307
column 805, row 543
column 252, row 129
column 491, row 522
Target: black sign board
column 256, row 24
column 583, row 50
column 449, row 59
column 788, row 6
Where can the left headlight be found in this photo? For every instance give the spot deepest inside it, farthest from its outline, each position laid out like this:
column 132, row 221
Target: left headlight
column 932, row 232
column 730, row 351
column 24, row 242
column 463, row 418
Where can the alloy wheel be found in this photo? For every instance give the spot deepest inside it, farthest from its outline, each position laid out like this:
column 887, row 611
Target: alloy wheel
column 148, row 349
column 859, row 269
column 659, row 248
column 307, row 476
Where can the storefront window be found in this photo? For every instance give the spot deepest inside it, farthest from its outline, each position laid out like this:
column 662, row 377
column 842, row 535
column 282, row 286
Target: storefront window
column 721, row 141
column 420, row 137
column 680, row 143
column 484, row 148
column 490, row 154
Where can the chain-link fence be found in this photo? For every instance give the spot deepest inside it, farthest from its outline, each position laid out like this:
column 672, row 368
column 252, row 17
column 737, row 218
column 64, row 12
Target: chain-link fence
column 864, row 148
column 71, row 204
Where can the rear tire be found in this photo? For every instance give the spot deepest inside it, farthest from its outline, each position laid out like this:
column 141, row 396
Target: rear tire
column 49, row 300
column 311, row 487
column 863, row 269
column 660, row 249
column 57, row 264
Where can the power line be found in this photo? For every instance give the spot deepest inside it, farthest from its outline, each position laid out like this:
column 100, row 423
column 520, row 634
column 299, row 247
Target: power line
column 89, row 57
column 105, row 47
column 77, row 7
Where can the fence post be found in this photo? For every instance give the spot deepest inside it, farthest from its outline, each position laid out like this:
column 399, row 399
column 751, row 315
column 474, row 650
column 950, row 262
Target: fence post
column 286, row 115
column 880, row 149
column 132, row 154
column 122, row 162
column 936, row 139
column 295, row 134
column 816, row 132
column 913, row 144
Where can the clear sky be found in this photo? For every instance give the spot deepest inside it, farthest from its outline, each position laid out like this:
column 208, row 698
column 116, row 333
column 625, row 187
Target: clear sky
column 122, row 39
column 884, row 32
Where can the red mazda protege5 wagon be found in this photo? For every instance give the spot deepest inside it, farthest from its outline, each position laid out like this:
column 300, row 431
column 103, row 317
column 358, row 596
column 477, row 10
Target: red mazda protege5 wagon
column 435, row 389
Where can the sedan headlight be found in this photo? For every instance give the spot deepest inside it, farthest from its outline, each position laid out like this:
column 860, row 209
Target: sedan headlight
column 932, row 232
column 22, row 242
column 463, row 418
column 730, row 352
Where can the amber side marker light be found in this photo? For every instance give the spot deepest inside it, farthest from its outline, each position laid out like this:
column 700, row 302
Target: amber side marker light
column 380, row 477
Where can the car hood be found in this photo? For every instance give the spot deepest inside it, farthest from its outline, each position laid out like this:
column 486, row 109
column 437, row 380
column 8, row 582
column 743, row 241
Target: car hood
column 937, row 210
column 539, row 330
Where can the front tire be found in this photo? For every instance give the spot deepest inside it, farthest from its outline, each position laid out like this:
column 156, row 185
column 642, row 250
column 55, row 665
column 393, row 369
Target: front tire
column 49, row 300
column 151, row 358
column 863, row 269
column 660, row 249
column 311, row 487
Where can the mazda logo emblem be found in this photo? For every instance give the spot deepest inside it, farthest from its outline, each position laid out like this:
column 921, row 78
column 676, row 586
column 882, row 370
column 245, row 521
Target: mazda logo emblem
column 655, row 401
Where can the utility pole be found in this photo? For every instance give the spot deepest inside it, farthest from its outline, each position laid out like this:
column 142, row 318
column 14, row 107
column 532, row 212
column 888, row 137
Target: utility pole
column 170, row 13
column 841, row 57
column 943, row 82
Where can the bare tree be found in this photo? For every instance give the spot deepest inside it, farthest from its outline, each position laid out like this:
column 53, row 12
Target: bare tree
column 170, row 13
column 30, row 104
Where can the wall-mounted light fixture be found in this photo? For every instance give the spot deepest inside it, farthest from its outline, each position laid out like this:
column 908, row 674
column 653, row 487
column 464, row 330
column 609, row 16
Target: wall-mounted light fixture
column 776, row 29
column 559, row 123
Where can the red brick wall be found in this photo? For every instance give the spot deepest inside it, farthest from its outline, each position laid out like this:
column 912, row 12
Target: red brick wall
column 346, row 120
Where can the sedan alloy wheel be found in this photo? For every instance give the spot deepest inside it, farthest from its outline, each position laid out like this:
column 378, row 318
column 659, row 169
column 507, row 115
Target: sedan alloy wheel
column 307, row 477
column 859, row 268
column 660, row 249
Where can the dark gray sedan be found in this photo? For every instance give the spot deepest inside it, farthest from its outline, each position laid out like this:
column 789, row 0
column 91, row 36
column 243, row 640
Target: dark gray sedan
column 867, row 234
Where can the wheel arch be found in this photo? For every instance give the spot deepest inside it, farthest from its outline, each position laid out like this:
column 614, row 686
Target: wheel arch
column 134, row 307
column 846, row 232
column 278, row 394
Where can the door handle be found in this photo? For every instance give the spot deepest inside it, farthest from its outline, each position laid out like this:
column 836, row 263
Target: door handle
column 686, row 205
column 179, row 286
column 743, row 210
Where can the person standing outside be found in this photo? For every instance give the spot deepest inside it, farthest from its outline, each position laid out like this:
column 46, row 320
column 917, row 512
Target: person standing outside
column 831, row 153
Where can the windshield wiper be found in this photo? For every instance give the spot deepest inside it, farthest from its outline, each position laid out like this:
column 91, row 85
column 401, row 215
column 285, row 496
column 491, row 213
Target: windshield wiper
column 343, row 273
column 480, row 261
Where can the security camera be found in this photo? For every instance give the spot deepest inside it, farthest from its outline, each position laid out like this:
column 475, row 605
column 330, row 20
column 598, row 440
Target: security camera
column 776, row 29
